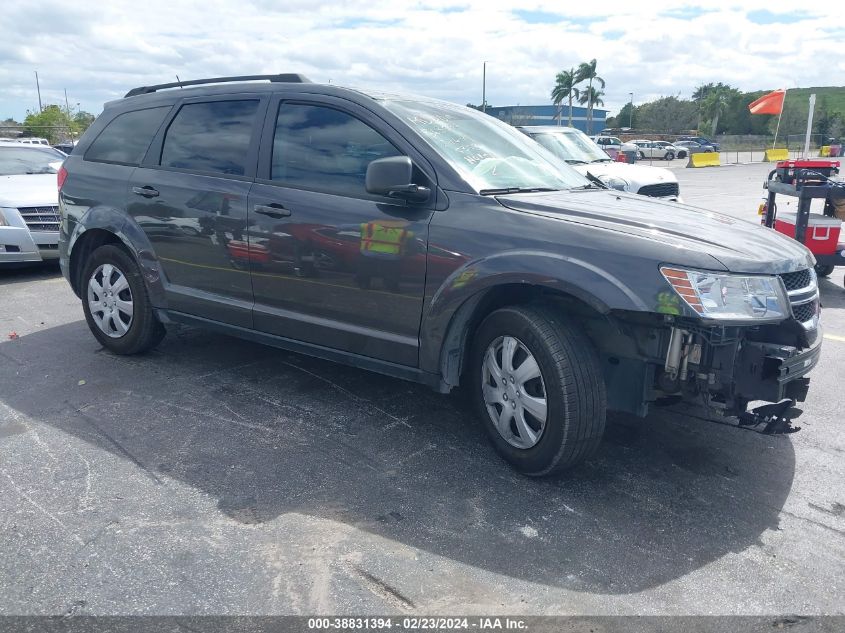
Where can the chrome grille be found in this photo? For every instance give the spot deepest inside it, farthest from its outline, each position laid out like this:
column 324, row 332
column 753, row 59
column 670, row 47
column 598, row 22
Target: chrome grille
column 803, row 293
column 804, row 312
column 41, row 218
column 660, row 190
column 798, row 280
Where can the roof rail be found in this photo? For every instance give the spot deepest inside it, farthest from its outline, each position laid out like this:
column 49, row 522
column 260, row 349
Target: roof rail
column 281, row 78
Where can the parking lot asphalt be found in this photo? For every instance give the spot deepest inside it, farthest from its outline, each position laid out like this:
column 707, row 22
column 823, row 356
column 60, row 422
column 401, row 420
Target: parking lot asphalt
column 216, row 476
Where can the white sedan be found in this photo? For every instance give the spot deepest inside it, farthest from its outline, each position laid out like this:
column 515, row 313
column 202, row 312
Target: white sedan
column 657, row 149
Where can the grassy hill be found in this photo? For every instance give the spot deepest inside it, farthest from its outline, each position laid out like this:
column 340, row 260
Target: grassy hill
column 832, row 96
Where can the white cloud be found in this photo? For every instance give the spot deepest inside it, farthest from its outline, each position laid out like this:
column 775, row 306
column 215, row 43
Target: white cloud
column 97, row 51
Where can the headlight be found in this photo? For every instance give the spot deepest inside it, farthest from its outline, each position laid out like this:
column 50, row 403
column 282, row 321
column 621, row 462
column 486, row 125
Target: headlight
column 615, row 183
column 727, row 296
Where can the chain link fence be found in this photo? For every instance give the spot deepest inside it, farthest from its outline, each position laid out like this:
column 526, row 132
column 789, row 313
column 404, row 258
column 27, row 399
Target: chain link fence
column 54, row 134
column 737, row 149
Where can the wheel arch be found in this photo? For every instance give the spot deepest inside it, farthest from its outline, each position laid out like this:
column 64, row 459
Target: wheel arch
column 457, row 309
column 457, row 342
column 100, row 226
column 85, row 244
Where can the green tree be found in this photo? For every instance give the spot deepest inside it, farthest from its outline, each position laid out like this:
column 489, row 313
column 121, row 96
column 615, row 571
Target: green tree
column 668, row 115
column 628, row 116
column 587, row 72
column 82, row 121
column 56, row 124
column 826, row 124
column 565, row 82
column 51, row 123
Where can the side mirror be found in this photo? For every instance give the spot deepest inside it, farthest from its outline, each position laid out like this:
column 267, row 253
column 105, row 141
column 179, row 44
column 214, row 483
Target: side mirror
column 392, row 177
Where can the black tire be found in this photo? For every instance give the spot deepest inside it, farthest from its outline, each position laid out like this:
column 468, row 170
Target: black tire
column 145, row 330
column 642, row 155
column 574, row 388
column 824, row 270
column 670, row 156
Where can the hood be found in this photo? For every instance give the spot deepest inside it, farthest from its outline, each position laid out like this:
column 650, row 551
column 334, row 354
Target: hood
column 637, row 175
column 738, row 245
column 29, row 190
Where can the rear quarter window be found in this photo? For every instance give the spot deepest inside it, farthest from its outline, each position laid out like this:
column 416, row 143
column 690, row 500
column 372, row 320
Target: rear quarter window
column 126, row 138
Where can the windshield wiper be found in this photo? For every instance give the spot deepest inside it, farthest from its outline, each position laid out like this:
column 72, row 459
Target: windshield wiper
column 572, row 161
column 596, row 181
column 507, row 190
column 602, row 160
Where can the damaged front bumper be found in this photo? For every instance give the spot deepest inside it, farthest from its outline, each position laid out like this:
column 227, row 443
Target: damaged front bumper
column 772, row 372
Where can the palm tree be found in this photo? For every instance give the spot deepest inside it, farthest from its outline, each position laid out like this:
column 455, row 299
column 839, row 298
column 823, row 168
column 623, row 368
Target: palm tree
column 701, row 92
column 565, row 89
column 591, row 97
column 715, row 104
column 587, row 71
column 699, row 95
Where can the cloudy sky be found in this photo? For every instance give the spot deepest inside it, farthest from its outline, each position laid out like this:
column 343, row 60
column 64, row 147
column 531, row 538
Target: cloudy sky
column 98, row 50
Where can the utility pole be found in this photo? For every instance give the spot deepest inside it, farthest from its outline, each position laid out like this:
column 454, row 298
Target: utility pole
column 484, row 89
column 38, row 87
column 67, row 113
column 809, row 125
column 631, row 112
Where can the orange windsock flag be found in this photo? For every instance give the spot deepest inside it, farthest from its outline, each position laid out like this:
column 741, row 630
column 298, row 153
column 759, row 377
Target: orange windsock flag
column 771, row 103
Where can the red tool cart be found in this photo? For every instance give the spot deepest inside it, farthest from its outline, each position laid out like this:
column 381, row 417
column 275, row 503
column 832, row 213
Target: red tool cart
column 820, row 232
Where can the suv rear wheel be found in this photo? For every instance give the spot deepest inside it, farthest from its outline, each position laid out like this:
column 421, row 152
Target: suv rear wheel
column 536, row 384
column 115, row 302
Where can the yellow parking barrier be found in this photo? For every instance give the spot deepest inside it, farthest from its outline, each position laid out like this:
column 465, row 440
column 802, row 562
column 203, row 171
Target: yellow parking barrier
column 773, row 155
column 824, row 152
column 704, row 159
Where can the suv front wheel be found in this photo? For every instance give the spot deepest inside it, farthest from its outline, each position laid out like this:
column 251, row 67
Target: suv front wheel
column 115, row 302
column 537, row 385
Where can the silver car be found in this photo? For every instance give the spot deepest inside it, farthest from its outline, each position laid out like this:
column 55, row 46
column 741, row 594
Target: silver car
column 29, row 217
column 692, row 147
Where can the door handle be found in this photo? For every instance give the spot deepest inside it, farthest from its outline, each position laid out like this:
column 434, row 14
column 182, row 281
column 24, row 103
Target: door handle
column 146, row 191
column 272, row 210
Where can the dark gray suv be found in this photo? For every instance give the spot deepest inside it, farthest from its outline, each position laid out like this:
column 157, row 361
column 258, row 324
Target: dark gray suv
column 430, row 242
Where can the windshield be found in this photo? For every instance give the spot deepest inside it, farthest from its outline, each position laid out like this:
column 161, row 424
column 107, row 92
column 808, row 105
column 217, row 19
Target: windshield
column 489, row 154
column 572, row 146
column 15, row 161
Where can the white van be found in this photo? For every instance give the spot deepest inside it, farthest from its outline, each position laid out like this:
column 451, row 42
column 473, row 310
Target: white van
column 33, row 141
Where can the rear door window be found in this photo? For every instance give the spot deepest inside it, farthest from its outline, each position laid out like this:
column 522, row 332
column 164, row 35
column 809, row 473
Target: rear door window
column 125, row 140
column 211, row 137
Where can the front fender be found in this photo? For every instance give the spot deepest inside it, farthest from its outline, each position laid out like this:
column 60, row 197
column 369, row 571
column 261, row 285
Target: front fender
column 560, row 273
